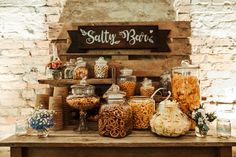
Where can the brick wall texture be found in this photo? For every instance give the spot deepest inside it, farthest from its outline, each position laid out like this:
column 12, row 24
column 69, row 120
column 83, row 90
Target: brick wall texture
column 24, row 44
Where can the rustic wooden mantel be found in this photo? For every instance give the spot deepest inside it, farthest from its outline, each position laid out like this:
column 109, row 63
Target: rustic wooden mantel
column 138, row 144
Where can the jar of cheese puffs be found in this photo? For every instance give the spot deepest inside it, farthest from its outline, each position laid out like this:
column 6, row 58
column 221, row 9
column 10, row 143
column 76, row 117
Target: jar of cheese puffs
column 127, row 81
column 143, row 109
column 186, row 87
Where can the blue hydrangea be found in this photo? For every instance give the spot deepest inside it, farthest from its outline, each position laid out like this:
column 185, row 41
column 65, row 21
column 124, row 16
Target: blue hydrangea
column 41, row 119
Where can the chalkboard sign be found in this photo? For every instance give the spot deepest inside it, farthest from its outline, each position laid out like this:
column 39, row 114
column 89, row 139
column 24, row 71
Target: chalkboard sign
column 119, row 37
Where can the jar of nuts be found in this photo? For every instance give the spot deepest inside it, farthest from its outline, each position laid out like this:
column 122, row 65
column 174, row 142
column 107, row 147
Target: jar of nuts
column 146, row 89
column 115, row 118
column 143, row 109
column 186, row 87
column 127, row 81
column 101, row 68
column 82, row 98
column 80, row 70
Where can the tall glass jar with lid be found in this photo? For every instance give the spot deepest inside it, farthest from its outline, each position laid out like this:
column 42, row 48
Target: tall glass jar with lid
column 80, row 70
column 68, row 72
column 115, row 117
column 186, row 87
column 143, row 109
column 101, row 68
column 147, row 89
column 127, row 81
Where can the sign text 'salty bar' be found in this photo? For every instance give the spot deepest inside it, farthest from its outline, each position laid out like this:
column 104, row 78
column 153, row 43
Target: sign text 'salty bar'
column 118, row 37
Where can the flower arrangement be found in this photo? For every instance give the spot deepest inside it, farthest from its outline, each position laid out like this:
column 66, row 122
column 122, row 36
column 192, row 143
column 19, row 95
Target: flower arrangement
column 55, row 68
column 41, row 120
column 202, row 120
column 55, row 64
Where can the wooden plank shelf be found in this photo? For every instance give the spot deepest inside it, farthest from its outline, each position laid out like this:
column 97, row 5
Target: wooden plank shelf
column 64, row 82
column 121, row 53
column 138, row 144
column 136, row 139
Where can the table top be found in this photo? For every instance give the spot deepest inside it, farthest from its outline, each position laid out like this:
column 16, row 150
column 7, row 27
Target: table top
column 69, row 138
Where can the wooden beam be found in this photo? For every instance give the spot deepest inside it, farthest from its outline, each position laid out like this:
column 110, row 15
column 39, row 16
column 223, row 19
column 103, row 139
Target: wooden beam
column 16, row 152
column 63, row 82
column 225, row 152
column 179, row 29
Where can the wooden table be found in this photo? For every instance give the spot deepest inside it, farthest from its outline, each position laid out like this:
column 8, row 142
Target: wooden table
column 138, row 144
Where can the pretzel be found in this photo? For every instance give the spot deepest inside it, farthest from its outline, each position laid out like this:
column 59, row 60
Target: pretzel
column 117, row 120
column 128, row 87
column 142, row 113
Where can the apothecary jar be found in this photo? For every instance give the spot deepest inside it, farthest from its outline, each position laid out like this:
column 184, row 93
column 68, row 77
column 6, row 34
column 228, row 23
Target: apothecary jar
column 186, row 87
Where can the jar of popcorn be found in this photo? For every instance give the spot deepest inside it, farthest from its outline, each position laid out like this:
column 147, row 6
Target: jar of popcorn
column 147, row 88
column 80, row 70
column 127, row 81
column 169, row 121
column 101, row 68
column 186, row 87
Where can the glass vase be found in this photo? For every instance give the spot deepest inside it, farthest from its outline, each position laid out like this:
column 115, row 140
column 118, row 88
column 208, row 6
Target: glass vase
column 42, row 133
column 199, row 132
column 56, row 74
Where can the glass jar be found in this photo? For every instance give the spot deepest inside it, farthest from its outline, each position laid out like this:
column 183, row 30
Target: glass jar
column 146, row 89
column 143, row 109
column 83, row 98
column 80, row 70
column 115, row 118
column 83, row 89
column 165, row 83
column 101, row 68
column 21, row 124
column 223, row 127
column 186, row 87
column 68, row 72
column 127, row 81
column 56, row 74
column 53, row 69
column 170, row 121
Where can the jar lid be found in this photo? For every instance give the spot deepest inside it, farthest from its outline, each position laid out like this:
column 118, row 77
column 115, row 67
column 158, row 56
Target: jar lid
column 72, row 61
column 139, row 98
column 80, row 62
column 114, row 93
column 101, row 60
column 83, row 86
column 185, row 64
column 126, row 72
column 147, row 82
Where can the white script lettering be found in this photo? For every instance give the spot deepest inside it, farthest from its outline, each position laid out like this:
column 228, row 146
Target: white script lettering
column 131, row 36
column 104, row 37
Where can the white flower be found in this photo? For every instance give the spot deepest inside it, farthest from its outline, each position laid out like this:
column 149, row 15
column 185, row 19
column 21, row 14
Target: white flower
column 193, row 114
column 202, row 111
column 200, row 121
